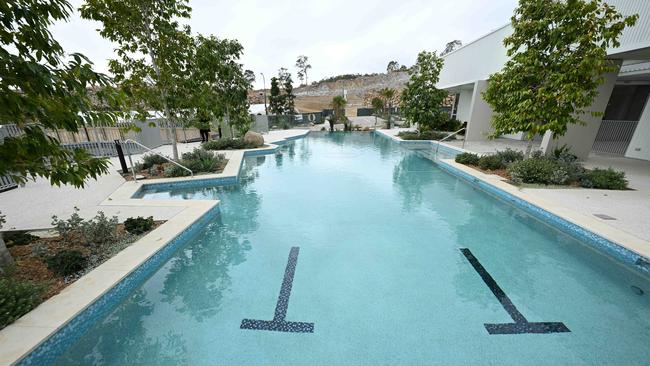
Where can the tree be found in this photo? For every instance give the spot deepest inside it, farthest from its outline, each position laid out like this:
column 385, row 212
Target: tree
column 276, row 102
column 451, row 46
column 557, row 60
column 220, row 83
column 338, row 115
column 377, row 107
column 388, row 97
column 41, row 90
column 392, row 66
column 151, row 47
column 421, row 101
column 289, row 97
column 250, row 76
column 303, row 66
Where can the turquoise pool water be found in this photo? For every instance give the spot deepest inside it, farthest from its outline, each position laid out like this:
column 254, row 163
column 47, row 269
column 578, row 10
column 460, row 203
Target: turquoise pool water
column 346, row 249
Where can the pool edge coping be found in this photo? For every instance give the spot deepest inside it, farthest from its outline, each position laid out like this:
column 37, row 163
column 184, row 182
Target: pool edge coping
column 23, row 338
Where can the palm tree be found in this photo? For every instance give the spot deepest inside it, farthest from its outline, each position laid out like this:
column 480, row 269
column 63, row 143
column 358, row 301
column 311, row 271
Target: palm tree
column 338, row 104
column 388, row 94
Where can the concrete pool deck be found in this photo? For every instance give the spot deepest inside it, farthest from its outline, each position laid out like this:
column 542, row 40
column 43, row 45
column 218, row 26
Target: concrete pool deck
column 43, row 323
column 631, row 225
column 31, row 207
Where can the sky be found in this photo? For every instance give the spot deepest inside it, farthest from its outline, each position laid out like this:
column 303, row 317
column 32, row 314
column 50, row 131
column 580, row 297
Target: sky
column 338, row 36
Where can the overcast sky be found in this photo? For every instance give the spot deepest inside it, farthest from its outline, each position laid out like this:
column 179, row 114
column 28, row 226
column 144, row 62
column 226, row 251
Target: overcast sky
column 338, row 36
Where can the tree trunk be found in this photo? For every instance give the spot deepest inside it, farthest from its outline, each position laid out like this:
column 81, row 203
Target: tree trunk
column 173, row 129
column 86, row 131
column 6, row 259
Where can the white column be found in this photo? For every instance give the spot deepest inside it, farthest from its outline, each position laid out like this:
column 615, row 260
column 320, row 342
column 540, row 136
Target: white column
column 639, row 147
column 580, row 138
column 479, row 124
column 464, row 105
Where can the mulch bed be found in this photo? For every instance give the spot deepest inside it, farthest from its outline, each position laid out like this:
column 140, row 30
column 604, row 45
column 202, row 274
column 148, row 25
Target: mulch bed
column 31, row 267
column 159, row 172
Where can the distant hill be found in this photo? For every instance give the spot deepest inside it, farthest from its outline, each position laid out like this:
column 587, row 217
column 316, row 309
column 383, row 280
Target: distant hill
column 318, row 96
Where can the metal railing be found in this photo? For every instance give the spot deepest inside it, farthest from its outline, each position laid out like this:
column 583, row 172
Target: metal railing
column 7, row 183
column 135, row 179
column 102, row 148
column 614, row 136
column 447, row 138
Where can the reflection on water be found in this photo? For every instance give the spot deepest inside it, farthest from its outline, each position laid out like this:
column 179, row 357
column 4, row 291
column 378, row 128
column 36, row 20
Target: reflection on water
column 134, row 345
column 381, row 275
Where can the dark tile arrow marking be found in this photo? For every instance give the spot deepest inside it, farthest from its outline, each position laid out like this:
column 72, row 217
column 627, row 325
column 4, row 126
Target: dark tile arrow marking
column 278, row 324
column 520, row 325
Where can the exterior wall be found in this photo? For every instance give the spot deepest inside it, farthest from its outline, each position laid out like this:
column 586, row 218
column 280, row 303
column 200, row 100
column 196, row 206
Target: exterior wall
column 464, row 105
column 479, row 59
column 639, row 147
column 479, row 125
column 476, row 60
column 638, row 36
column 581, row 138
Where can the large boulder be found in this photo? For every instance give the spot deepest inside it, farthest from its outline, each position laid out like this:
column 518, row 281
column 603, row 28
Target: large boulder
column 254, row 138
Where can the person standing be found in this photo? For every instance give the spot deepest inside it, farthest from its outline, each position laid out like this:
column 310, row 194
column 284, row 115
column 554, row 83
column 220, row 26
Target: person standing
column 203, row 124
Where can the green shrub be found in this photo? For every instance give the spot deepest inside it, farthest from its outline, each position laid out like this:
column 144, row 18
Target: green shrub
column 67, row 262
column 100, row 229
column 172, row 171
column 66, row 228
column 604, row 179
column 509, row 156
column 421, row 135
column 227, row 144
column 451, row 125
column 491, row 162
column 16, row 238
column 138, row 225
column 563, row 154
column 17, row 299
column 538, row 170
column 203, row 161
column 198, row 161
column 467, row 158
column 150, row 160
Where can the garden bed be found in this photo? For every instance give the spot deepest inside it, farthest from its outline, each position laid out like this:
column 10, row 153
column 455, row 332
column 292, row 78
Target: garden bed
column 44, row 266
column 199, row 161
column 560, row 168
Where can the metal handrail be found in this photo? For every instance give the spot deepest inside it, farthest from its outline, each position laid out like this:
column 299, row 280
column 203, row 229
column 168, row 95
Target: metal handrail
column 157, row 153
column 447, row 137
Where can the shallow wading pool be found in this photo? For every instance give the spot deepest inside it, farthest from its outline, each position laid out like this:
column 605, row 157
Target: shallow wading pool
column 347, row 249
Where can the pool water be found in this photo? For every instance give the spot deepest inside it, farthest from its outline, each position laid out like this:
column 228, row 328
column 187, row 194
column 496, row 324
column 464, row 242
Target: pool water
column 347, row 249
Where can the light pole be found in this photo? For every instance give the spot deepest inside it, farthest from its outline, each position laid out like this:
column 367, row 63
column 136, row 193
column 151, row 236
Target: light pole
column 266, row 111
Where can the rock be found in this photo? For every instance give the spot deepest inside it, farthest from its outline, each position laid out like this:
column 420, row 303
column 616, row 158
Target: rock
column 254, row 138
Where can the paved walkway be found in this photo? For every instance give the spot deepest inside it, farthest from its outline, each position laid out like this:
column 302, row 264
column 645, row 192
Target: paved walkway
column 629, row 209
column 32, row 206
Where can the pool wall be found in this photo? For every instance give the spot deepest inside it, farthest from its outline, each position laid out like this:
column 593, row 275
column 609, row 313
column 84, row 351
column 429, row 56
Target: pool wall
column 53, row 347
column 616, row 249
column 43, row 335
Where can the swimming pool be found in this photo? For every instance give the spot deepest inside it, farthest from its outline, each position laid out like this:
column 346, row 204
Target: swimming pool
column 346, row 248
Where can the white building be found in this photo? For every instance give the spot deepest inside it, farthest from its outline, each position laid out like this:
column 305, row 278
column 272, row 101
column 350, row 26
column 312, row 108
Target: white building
column 624, row 129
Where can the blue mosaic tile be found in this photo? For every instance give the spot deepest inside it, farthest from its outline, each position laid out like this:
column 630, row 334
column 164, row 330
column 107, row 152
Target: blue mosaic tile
column 279, row 324
column 580, row 233
column 54, row 346
column 521, row 325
